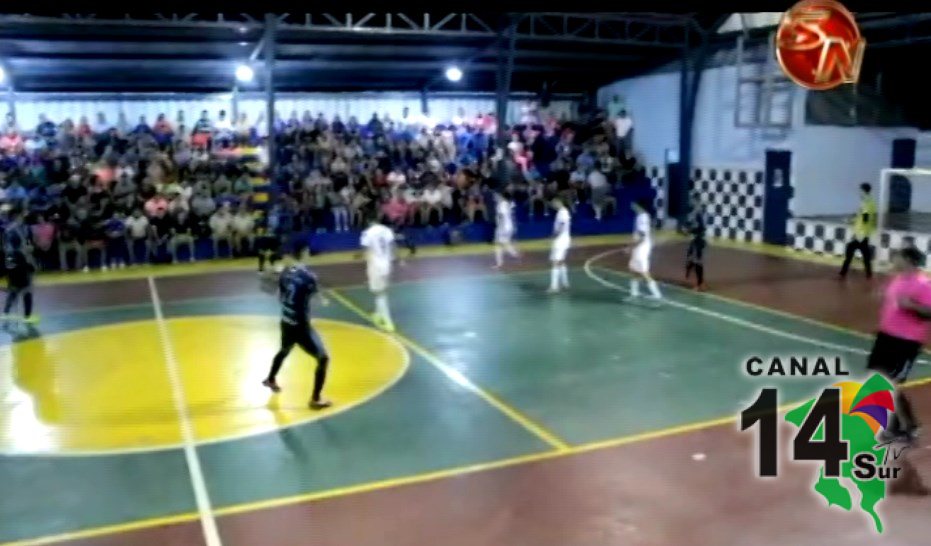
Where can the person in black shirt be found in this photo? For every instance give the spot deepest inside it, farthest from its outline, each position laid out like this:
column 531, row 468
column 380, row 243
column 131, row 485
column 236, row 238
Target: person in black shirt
column 694, row 256
column 19, row 264
column 296, row 285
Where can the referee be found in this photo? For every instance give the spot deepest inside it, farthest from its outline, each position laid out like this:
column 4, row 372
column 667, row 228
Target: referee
column 864, row 225
column 904, row 324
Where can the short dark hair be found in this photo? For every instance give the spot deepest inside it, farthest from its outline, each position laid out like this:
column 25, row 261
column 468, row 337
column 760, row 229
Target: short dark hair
column 866, row 187
column 912, row 255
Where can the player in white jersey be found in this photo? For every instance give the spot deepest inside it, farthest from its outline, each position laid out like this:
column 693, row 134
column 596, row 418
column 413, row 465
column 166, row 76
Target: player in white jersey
column 640, row 254
column 378, row 242
column 504, row 229
column 562, row 227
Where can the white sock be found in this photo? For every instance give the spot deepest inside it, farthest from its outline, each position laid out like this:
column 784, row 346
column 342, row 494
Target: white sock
column 564, row 275
column 381, row 307
column 511, row 250
column 654, row 289
column 554, row 277
column 635, row 287
column 499, row 255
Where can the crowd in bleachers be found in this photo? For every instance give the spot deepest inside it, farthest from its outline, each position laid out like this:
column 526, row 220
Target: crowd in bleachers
column 116, row 193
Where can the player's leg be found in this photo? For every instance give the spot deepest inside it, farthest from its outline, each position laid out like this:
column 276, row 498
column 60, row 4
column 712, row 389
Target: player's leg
column 564, row 275
column 288, row 339
column 849, row 251
column 700, row 275
column 27, row 297
column 557, row 255
column 313, row 345
column 12, row 294
column 378, row 286
column 886, row 357
column 867, row 254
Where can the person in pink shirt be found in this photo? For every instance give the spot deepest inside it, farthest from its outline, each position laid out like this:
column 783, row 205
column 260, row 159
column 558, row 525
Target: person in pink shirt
column 395, row 209
column 904, row 324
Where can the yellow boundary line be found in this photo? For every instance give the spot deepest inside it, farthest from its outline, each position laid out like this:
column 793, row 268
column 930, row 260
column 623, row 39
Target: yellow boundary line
column 330, row 258
column 345, row 257
column 461, row 380
column 400, row 481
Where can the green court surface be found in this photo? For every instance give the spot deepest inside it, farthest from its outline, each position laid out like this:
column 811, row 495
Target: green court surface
column 498, row 370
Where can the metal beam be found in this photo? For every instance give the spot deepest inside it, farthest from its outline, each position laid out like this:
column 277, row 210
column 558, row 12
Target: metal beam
column 258, row 49
column 25, row 48
column 666, row 32
column 183, row 67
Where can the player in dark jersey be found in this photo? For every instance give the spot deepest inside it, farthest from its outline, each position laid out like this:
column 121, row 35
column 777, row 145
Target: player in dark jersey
column 19, row 265
column 695, row 255
column 296, row 285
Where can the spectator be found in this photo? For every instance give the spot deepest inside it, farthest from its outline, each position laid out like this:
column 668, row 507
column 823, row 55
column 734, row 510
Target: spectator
column 68, row 243
column 44, row 233
column 221, row 225
column 137, row 228
column 339, row 208
column 160, row 232
column 182, row 234
column 157, row 206
column 243, row 227
column 115, row 230
column 623, row 131
column 599, row 189
column 433, row 202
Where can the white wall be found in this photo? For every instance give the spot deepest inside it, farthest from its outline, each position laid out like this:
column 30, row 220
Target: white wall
column 653, row 103
column 362, row 105
column 828, row 162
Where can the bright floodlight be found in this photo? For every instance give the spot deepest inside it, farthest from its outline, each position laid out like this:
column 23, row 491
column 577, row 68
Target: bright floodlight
column 453, row 74
column 244, row 73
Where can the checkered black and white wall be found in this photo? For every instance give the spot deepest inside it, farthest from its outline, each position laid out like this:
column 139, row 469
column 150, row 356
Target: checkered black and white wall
column 658, row 181
column 732, row 199
column 831, row 238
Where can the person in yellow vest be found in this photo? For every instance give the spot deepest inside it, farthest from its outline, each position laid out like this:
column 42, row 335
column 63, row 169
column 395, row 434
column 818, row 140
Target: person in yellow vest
column 864, row 226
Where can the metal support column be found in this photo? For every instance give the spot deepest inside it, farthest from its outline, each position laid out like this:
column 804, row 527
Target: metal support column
column 424, row 102
column 234, row 105
column 505, row 71
column 503, row 74
column 271, row 23
column 693, row 64
column 684, row 175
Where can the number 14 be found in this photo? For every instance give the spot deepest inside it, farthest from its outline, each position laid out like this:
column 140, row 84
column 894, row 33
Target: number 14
column 832, row 450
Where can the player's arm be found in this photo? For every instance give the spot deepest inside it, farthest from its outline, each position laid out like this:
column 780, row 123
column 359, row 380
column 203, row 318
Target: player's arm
column 916, row 306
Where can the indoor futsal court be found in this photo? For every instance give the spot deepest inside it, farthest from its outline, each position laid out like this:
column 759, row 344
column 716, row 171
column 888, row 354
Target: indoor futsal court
column 135, row 414
column 517, row 266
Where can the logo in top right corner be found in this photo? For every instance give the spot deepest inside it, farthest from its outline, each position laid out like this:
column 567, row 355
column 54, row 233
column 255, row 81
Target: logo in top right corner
column 819, row 45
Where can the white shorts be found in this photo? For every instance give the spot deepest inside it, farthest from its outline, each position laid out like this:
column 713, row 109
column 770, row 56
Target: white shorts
column 378, row 277
column 640, row 259
column 504, row 236
column 559, row 250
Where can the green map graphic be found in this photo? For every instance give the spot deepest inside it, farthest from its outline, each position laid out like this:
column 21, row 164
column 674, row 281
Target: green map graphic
column 860, row 438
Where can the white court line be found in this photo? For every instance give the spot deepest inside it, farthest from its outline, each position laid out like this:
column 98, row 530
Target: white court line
column 721, row 316
column 202, row 498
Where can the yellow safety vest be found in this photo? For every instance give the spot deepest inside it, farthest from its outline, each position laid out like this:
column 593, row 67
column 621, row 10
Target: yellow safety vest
column 864, row 225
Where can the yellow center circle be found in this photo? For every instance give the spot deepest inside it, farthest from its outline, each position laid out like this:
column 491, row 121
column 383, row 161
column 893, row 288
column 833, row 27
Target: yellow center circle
column 117, row 388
